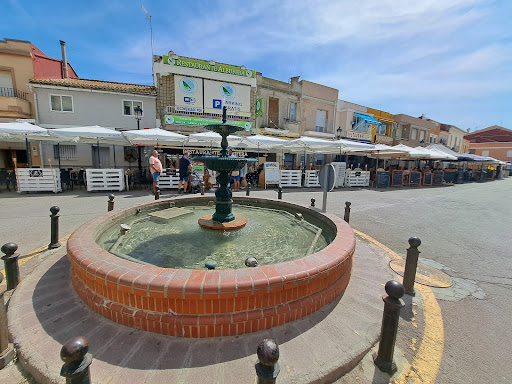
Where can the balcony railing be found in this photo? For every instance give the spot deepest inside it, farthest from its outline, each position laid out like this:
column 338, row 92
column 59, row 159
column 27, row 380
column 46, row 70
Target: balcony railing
column 12, row 92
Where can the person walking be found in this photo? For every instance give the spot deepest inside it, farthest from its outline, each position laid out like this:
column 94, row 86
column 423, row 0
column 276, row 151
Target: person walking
column 155, row 166
column 185, row 168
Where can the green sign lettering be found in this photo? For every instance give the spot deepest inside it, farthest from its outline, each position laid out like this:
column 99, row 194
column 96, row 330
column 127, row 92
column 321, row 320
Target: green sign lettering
column 205, row 66
column 199, row 121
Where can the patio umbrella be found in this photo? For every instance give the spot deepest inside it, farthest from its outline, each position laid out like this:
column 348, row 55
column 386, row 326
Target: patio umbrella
column 18, row 131
column 92, row 135
column 212, row 138
column 264, row 142
column 306, row 144
column 154, row 136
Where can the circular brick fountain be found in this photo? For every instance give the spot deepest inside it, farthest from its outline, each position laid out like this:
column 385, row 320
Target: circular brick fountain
column 207, row 303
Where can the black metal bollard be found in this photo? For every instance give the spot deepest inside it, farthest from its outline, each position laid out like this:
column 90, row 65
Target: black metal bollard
column 6, row 349
column 267, row 367
column 383, row 359
column 347, row 211
column 12, row 270
column 248, row 189
column 202, row 189
column 54, row 241
column 157, row 193
column 411, row 264
column 110, row 203
column 280, row 193
column 76, row 361
column 313, row 202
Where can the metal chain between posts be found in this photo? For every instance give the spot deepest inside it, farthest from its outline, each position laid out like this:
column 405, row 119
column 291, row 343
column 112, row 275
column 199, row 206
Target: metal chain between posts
column 54, row 241
column 267, row 367
column 411, row 264
column 110, row 206
column 12, row 270
column 76, row 361
column 383, row 359
column 347, row 211
column 6, row 349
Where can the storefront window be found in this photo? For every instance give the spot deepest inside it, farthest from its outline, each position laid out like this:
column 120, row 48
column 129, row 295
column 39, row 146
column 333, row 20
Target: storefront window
column 359, row 124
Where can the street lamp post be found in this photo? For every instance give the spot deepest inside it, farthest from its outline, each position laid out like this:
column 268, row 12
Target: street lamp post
column 138, row 115
column 338, row 136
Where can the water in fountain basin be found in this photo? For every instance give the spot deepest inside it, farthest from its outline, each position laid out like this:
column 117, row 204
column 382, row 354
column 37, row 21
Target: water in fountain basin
column 270, row 236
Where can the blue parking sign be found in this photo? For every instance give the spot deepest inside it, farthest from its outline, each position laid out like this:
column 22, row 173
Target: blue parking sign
column 217, row 104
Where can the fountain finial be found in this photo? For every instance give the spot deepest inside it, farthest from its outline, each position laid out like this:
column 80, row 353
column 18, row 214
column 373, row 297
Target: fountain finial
column 224, row 109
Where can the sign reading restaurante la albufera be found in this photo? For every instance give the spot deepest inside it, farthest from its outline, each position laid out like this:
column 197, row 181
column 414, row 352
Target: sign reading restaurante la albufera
column 206, row 66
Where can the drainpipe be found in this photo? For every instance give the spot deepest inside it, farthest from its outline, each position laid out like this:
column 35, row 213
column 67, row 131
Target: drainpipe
column 64, row 60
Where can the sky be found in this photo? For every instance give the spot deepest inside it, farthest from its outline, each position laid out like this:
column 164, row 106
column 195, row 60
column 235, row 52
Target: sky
column 450, row 60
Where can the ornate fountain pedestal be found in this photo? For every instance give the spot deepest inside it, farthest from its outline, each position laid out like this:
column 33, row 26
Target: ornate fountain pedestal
column 223, row 218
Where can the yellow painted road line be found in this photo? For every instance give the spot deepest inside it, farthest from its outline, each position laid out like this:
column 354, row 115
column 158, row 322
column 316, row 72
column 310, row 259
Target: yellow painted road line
column 23, row 259
column 425, row 365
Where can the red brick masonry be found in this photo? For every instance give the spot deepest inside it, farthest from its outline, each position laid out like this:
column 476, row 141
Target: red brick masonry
column 207, row 303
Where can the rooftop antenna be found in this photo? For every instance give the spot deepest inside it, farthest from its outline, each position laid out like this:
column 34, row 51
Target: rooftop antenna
column 151, row 31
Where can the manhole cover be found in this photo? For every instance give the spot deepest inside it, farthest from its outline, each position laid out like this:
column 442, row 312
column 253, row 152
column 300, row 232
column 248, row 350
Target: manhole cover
column 424, row 274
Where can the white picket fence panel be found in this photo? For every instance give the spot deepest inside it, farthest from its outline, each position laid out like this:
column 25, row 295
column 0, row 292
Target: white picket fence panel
column 104, row 179
column 169, row 181
column 311, row 179
column 357, row 178
column 38, row 180
column 291, row 178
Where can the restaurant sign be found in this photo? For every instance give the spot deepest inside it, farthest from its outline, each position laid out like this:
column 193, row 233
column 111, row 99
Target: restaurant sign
column 200, row 121
column 379, row 139
column 359, row 135
column 207, row 66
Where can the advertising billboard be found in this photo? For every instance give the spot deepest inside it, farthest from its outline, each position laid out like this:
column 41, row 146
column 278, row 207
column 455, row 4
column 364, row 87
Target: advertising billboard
column 209, row 66
column 188, row 93
column 235, row 97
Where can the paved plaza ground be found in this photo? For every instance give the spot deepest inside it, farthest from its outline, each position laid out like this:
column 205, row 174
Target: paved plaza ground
column 464, row 232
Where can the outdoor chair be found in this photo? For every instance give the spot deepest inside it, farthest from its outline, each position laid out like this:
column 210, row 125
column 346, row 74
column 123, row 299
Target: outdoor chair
column 65, row 179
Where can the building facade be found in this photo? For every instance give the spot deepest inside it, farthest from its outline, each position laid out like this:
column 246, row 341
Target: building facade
column 318, row 109
column 62, row 103
column 21, row 61
column 278, row 107
column 382, row 133
column 412, row 131
column 192, row 92
column 494, row 141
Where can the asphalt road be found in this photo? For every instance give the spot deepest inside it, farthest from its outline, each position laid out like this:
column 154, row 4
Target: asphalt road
column 465, row 231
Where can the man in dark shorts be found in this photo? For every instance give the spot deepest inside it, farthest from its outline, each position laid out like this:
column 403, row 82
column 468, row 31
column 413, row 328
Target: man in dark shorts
column 185, row 168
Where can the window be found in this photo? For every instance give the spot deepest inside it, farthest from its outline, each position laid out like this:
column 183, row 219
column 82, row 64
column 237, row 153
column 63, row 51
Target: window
column 321, row 117
column 293, row 112
column 509, row 153
column 485, row 153
column 5, row 79
column 359, row 124
column 414, row 134
column 381, row 129
column 433, row 138
column 422, row 135
column 129, row 107
column 61, row 103
column 398, row 131
column 67, row 152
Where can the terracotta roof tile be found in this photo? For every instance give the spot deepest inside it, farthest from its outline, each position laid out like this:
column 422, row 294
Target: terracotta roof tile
column 99, row 85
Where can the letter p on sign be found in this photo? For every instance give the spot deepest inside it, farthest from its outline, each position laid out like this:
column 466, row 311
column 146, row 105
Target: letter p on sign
column 217, row 104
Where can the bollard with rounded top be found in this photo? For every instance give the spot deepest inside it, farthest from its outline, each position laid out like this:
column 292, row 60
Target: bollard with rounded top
column 76, row 361
column 54, row 241
column 157, row 193
column 267, row 367
column 211, row 264
column 411, row 264
column 248, row 189
column 251, row 262
column 6, row 348
column 12, row 270
column 110, row 203
column 383, row 359
column 347, row 211
column 313, row 202
column 280, row 193
column 202, row 189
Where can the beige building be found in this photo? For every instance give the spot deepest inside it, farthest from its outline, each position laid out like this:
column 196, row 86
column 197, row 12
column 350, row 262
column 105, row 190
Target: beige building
column 278, row 107
column 412, row 131
column 318, row 109
column 452, row 137
column 347, row 115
